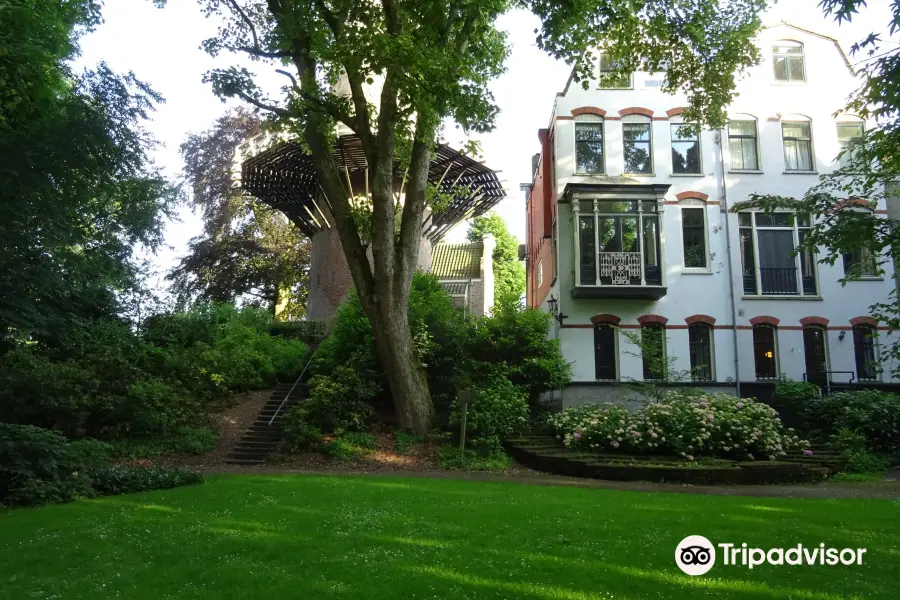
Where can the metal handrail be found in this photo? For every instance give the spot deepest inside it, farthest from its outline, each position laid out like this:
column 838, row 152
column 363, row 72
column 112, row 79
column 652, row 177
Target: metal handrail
column 828, row 382
column 288, row 395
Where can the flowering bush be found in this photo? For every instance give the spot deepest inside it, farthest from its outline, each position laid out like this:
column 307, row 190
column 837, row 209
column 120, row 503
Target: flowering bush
column 682, row 425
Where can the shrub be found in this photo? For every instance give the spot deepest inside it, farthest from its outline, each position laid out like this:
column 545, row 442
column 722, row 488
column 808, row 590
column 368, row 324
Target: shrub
column 182, row 440
column 449, row 457
column 404, row 440
column 36, row 467
column 855, row 455
column 340, row 401
column 513, row 343
column 688, row 426
column 792, row 400
column 89, row 453
column 499, row 410
column 125, row 480
column 350, row 446
column 298, row 434
column 874, row 415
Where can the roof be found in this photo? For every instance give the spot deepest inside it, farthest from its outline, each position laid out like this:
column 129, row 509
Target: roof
column 457, row 261
column 283, row 176
column 455, row 288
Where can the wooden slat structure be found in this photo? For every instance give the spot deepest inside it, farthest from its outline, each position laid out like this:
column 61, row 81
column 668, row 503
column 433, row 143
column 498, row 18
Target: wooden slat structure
column 283, row 176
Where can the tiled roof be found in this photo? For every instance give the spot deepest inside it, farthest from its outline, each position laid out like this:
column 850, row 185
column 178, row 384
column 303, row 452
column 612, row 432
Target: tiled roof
column 455, row 288
column 457, row 261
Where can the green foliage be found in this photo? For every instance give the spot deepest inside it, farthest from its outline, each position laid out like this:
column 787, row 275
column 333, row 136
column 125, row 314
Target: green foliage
column 104, row 380
column 37, row 468
column 127, row 480
column 871, row 414
column 339, row 402
column 350, row 447
column 450, row 458
column 298, row 434
column 509, row 272
column 499, row 410
column 89, row 453
column 681, row 425
column 404, row 441
column 795, row 392
column 246, row 251
column 855, row 455
column 513, row 343
column 181, row 440
column 80, row 193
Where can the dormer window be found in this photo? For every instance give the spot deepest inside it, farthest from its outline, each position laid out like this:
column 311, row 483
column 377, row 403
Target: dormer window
column 787, row 58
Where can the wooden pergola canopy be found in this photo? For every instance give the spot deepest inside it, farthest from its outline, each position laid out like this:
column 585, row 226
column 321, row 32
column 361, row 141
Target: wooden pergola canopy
column 284, row 177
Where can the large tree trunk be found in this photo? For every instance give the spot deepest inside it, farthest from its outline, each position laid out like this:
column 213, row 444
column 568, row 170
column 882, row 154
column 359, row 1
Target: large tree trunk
column 403, row 369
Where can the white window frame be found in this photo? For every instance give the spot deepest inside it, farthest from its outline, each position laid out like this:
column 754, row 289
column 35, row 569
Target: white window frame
column 600, row 73
column 799, row 119
column 639, row 120
column 844, row 153
column 712, row 352
column 798, row 258
column 677, row 121
column 695, row 203
column 755, row 121
column 593, row 119
column 787, row 55
column 540, row 272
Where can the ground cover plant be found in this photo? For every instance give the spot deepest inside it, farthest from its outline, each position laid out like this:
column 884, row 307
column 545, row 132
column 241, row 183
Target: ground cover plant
column 372, row 537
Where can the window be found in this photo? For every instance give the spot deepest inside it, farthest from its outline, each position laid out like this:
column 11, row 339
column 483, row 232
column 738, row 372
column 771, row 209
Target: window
column 700, row 341
column 540, row 272
column 693, row 231
column 618, row 243
column 770, row 267
column 653, row 351
column 609, row 79
column 797, row 146
column 685, row 150
column 742, row 145
column 860, row 263
column 814, row 349
column 589, row 144
column 864, row 349
column 637, row 150
column 787, row 58
column 764, row 349
column 850, row 138
column 605, row 351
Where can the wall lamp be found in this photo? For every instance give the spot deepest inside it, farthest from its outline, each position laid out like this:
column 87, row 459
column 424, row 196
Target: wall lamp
column 553, row 303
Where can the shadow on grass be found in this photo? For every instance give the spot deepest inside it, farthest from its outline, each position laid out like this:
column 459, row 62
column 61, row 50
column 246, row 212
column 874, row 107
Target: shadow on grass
column 343, row 537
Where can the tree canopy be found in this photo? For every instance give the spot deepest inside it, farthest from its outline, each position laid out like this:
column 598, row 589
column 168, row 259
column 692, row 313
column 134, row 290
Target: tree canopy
column 247, row 251
column 509, row 272
column 79, row 193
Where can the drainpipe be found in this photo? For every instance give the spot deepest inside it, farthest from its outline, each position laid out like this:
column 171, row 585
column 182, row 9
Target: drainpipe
column 724, row 204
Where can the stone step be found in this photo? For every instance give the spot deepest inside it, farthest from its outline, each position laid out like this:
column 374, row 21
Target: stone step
column 244, row 461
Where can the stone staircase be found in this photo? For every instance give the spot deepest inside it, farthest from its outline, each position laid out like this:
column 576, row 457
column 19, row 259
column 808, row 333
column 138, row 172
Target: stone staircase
column 261, row 439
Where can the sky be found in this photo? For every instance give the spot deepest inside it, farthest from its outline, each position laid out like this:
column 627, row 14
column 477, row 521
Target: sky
column 161, row 46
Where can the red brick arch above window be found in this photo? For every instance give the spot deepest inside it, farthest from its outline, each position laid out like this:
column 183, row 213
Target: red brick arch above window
column 691, row 195
column 635, row 110
column 706, row 319
column 605, row 320
column 820, row 321
column 674, row 112
column 864, row 321
column 588, row 110
column 765, row 320
column 652, row 320
column 855, row 203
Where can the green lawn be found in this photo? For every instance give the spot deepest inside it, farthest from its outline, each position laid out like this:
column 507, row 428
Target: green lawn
column 321, row 537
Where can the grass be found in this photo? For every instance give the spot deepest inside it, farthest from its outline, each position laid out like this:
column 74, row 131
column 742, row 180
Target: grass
column 372, row 537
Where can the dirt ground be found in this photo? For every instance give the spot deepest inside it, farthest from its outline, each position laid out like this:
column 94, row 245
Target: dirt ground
column 419, row 461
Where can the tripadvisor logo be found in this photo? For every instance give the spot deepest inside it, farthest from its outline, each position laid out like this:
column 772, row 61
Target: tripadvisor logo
column 696, row 555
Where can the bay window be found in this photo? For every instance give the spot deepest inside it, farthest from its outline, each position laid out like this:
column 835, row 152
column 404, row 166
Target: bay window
column 618, row 243
column 770, row 266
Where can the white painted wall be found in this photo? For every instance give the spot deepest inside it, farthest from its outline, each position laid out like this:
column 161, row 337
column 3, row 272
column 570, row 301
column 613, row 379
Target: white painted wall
column 828, row 83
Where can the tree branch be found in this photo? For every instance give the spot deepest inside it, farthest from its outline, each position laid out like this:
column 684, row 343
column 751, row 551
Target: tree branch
column 281, row 112
column 413, row 207
column 255, row 50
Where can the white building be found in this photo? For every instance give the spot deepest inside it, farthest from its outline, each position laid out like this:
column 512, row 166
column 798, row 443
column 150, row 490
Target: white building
column 658, row 247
